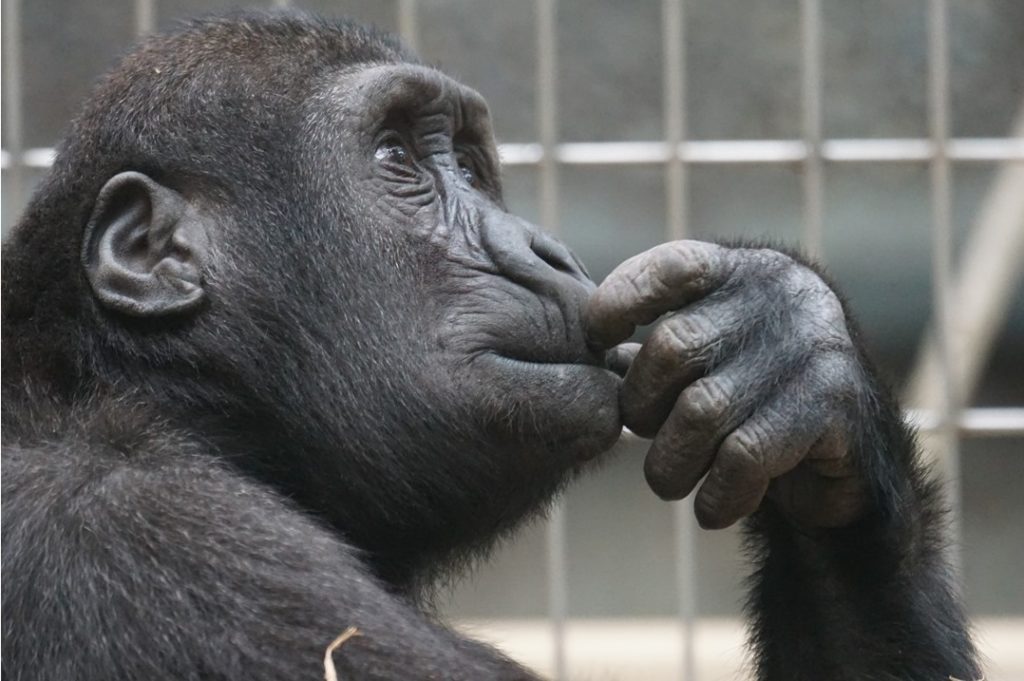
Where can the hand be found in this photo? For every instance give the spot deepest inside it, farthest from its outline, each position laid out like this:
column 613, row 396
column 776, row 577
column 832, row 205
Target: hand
column 751, row 379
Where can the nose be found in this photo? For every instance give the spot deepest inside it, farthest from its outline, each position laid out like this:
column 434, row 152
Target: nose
column 557, row 255
column 526, row 254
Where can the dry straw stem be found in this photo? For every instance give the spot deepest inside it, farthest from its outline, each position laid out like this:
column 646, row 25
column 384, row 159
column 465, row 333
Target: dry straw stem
column 330, row 674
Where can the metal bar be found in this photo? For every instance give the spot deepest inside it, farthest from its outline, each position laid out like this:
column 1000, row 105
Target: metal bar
column 13, row 158
column 674, row 93
column 878, row 150
column 977, row 422
column 145, row 17
column 989, row 269
column 547, row 129
column 281, row 3
column 609, row 153
column 810, row 60
column 981, row 149
column 558, row 596
column 547, row 112
column 697, row 152
column 674, row 58
column 946, row 440
column 408, row 26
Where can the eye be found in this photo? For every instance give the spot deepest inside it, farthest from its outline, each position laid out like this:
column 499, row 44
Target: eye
column 392, row 150
column 468, row 170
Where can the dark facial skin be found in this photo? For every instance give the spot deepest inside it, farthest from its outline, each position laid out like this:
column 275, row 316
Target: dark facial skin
column 277, row 356
column 502, row 309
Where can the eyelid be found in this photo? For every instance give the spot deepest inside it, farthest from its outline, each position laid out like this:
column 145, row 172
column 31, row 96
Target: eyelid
column 387, row 135
column 479, row 161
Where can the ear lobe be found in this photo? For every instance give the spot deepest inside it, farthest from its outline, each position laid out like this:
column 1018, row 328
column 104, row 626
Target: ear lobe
column 144, row 248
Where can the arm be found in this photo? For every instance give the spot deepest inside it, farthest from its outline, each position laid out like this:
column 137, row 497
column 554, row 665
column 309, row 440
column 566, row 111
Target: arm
column 872, row 600
column 755, row 383
column 169, row 567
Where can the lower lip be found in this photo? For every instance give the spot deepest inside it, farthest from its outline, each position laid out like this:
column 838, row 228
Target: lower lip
column 526, row 363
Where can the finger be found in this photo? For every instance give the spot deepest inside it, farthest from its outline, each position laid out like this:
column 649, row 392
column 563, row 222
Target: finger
column 621, row 357
column 771, row 442
column 640, row 290
column 679, row 351
column 685, row 446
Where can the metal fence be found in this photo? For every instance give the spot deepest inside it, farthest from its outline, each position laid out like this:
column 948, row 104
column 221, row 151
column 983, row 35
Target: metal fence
column 945, row 418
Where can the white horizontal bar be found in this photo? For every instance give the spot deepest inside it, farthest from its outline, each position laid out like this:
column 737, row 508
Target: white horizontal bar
column 529, row 154
column 611, row 153
column 987, row 149
column 877, row 150
column 987, row 421
column 994, row 149
column 743, row 151
column 38, row 157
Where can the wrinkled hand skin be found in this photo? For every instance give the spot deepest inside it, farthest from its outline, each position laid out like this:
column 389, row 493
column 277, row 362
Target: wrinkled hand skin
column 750, row 378
column 753, row 379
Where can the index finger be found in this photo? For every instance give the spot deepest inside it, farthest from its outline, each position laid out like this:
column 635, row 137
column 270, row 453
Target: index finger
column 662, row 279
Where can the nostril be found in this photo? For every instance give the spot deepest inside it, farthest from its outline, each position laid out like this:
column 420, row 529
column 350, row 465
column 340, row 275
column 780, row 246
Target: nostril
column 557, row 256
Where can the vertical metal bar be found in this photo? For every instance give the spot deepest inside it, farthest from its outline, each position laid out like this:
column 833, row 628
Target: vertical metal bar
column 810, row 64
column 685, row 530
column 145, row 17
column 674, row 70
column 281, row 3
column 547, row 129
column 674, row 92
column 558, row 596
column 547, row 112
column 946, row 438
column 12, row 93
column 407, row 24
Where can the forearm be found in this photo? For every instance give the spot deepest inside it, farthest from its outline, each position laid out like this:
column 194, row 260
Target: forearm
column 872, row 601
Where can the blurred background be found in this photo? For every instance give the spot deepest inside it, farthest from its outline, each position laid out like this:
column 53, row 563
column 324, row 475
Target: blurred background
column 885, row 137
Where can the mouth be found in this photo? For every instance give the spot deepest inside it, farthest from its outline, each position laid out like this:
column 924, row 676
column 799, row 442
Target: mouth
column 548, row 358
column 556, row 354
column 564, row 404
column 616, row 360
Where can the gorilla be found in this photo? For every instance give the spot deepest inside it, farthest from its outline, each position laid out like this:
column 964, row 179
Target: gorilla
column 278, row 359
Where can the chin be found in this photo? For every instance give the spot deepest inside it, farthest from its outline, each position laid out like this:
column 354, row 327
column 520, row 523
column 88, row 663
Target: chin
column 570, row 411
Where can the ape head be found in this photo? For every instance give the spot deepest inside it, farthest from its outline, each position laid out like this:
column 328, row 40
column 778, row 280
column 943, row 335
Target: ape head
column 286, row 237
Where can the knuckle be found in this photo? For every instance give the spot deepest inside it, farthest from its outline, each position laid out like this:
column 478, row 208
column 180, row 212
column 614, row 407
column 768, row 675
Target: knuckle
column 682, row 335
column 694, row 264
column 776, row 259
column 664, row 269
column 704, row 402
column 837, row 375
column 745, row 447
column 633, row 287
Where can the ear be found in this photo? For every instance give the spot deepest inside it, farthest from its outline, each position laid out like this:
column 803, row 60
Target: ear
column 144, row 248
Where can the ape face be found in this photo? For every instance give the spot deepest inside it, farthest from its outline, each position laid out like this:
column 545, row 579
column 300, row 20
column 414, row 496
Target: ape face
column 493, row 303
column 470, row 341
column 309, row 260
